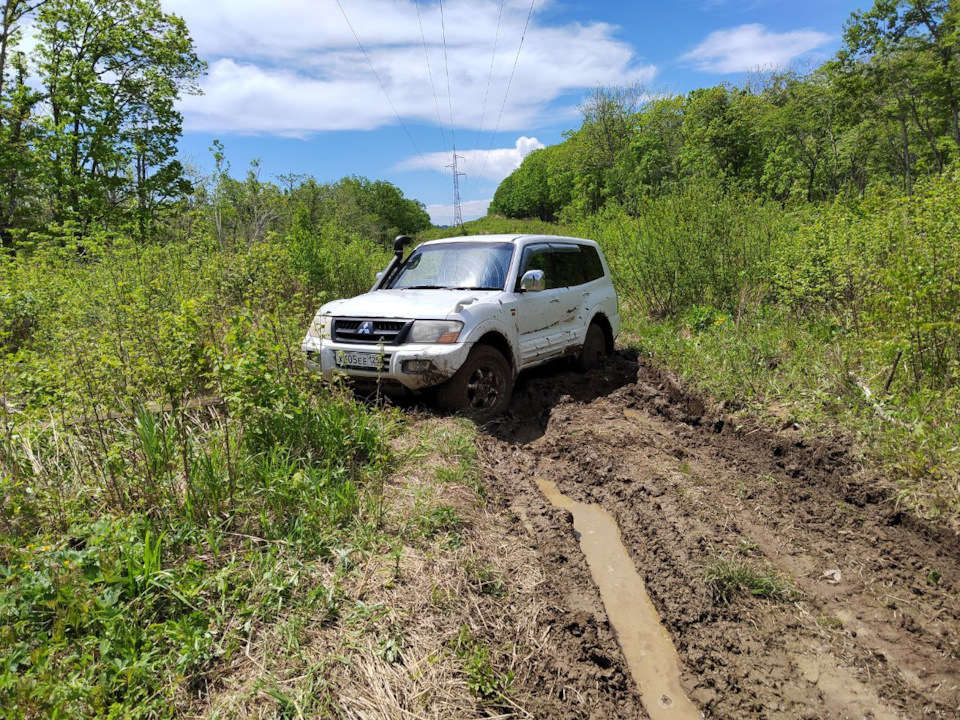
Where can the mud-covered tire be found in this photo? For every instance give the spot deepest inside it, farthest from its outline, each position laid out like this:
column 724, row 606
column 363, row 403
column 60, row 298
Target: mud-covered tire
column 594, row 348
column 482, row 386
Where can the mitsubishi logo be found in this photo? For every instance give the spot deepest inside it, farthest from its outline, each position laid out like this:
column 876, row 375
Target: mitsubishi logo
column 366, row 328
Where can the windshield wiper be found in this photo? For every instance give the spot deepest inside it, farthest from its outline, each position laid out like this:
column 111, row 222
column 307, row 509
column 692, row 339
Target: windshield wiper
column 444, row 287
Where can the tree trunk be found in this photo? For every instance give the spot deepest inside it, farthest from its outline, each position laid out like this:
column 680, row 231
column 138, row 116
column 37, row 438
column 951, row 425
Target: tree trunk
column 906, row 155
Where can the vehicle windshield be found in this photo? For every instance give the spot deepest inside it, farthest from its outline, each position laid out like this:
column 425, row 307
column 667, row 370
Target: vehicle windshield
column 456, row 266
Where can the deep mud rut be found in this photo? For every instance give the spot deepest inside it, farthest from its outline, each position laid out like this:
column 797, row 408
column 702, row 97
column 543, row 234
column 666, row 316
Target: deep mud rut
column 881, row 639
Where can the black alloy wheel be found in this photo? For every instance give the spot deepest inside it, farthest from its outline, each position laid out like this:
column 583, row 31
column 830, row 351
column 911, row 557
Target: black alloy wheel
column 482, row 386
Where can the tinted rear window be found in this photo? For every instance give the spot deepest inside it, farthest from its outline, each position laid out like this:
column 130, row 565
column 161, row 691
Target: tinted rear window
column 568, row 263
column 592, row 263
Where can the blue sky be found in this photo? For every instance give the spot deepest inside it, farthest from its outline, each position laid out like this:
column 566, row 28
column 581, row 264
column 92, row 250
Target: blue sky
column 289, row 85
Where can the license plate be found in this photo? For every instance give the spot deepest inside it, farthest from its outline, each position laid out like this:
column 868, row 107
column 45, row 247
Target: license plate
column 366, row 361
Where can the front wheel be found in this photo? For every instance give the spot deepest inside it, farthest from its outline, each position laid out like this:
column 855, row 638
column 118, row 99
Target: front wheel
column 481, row 387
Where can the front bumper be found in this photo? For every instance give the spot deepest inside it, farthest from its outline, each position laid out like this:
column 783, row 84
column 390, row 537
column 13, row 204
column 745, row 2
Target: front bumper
column 445, row 360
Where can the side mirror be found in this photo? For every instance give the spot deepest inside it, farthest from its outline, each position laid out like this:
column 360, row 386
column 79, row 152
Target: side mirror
column 533, row 281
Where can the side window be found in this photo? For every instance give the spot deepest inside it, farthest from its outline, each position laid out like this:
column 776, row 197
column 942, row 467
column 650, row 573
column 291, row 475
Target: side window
column 538, row 257
column 591, row 261
column 568, row 261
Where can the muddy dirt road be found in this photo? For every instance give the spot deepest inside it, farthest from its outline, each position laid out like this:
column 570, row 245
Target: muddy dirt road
column 864, row 621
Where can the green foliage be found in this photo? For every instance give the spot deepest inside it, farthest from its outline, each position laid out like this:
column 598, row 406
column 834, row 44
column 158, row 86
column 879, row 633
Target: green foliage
column 169, row 475
column 482, row 678
column 96, row 142
column 91, row 143
column 701, row 245
column 495, row 225
column 379, row 207
column 19, row 313
column 884, row 112
column 887, row 269
column 540, row 190
column 331, row 262
column 436, row 520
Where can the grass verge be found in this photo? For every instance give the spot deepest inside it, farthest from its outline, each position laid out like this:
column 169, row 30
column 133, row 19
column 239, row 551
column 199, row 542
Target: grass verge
column 808, row 375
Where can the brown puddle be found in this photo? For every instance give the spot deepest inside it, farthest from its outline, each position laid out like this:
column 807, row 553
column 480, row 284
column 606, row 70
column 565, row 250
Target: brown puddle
column 646, row 645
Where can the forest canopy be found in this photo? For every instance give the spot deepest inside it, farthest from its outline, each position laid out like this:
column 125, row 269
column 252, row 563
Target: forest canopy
column 89, row 133
column 883, row 112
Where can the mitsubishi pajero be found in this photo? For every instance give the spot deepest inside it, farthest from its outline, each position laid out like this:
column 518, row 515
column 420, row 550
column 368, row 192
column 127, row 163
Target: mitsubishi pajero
column 466, row 315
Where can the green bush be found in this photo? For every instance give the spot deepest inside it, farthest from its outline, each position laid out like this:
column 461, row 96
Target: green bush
column 168, row 469
column 700, row 245
column 888, row 270
column 332, row 263
column 19, row 314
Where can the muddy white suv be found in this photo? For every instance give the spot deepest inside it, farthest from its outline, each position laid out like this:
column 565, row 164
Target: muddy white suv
column 466, row 315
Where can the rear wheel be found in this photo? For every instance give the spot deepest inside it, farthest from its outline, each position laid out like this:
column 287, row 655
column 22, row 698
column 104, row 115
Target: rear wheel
column 482, row 386
column 594, row 348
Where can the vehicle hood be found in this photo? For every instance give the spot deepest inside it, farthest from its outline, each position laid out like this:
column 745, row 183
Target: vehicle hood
column 406, row 304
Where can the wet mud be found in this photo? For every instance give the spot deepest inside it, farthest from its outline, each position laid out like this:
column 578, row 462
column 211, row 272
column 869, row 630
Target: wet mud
column 869, row 627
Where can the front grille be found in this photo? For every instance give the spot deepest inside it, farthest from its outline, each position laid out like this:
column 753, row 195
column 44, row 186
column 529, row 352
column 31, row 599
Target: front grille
column 370, row 332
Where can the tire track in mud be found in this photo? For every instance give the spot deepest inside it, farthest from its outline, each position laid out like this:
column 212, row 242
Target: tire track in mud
column 879, row 640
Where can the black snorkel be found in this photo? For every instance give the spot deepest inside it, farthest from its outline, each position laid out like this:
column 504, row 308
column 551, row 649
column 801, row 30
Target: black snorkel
column 386, row 277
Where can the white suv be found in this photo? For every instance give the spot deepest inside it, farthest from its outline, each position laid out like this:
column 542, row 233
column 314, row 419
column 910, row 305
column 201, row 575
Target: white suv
column 466, row 315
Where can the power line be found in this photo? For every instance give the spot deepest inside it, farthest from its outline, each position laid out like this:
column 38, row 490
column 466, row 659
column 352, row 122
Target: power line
column 384, row 89
column 507, row 93
column 457, row 208
column 436, row 101
column 446, row 63
column 483, row 112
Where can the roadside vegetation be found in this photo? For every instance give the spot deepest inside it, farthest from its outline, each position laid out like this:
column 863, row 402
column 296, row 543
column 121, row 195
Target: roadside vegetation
column 790, row 246
column 190, row 524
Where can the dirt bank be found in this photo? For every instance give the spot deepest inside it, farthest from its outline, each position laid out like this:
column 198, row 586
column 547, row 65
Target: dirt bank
column 864, row 613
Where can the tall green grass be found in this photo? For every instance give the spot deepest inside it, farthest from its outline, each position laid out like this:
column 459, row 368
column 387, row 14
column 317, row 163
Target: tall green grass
column 169, row 474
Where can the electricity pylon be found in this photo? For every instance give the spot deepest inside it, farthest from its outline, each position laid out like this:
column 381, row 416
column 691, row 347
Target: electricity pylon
column 457, row 209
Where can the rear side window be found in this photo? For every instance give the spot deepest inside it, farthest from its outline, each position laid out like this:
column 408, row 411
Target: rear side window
column 568, row 263
column 591, row 263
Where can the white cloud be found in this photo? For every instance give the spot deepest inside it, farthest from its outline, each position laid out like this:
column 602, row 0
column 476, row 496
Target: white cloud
column 751, row 47
column 295, row 69
column 471, row 209
column 500, row 162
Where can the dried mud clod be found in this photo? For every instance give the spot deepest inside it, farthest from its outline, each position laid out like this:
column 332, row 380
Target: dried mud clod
column 791, row 584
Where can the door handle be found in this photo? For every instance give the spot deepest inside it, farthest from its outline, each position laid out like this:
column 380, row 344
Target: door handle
column 555, row 300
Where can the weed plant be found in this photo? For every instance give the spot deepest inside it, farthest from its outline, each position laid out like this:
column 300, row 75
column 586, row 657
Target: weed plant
column 169, row 476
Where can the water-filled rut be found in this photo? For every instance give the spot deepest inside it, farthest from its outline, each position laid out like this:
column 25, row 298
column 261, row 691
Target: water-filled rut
column 646, row 644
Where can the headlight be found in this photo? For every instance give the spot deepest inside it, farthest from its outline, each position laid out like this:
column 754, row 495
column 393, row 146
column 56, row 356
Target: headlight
column 320, row 327
column 435, row 331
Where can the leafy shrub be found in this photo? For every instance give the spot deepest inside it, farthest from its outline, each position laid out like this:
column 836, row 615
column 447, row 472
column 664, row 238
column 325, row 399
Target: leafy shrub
column 19, row 314
column 167, row 469
column 701, row 245
column 331, row 262
column 887, row 269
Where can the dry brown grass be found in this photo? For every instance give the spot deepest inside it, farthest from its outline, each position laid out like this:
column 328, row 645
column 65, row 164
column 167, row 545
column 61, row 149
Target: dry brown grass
column 417, row 617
